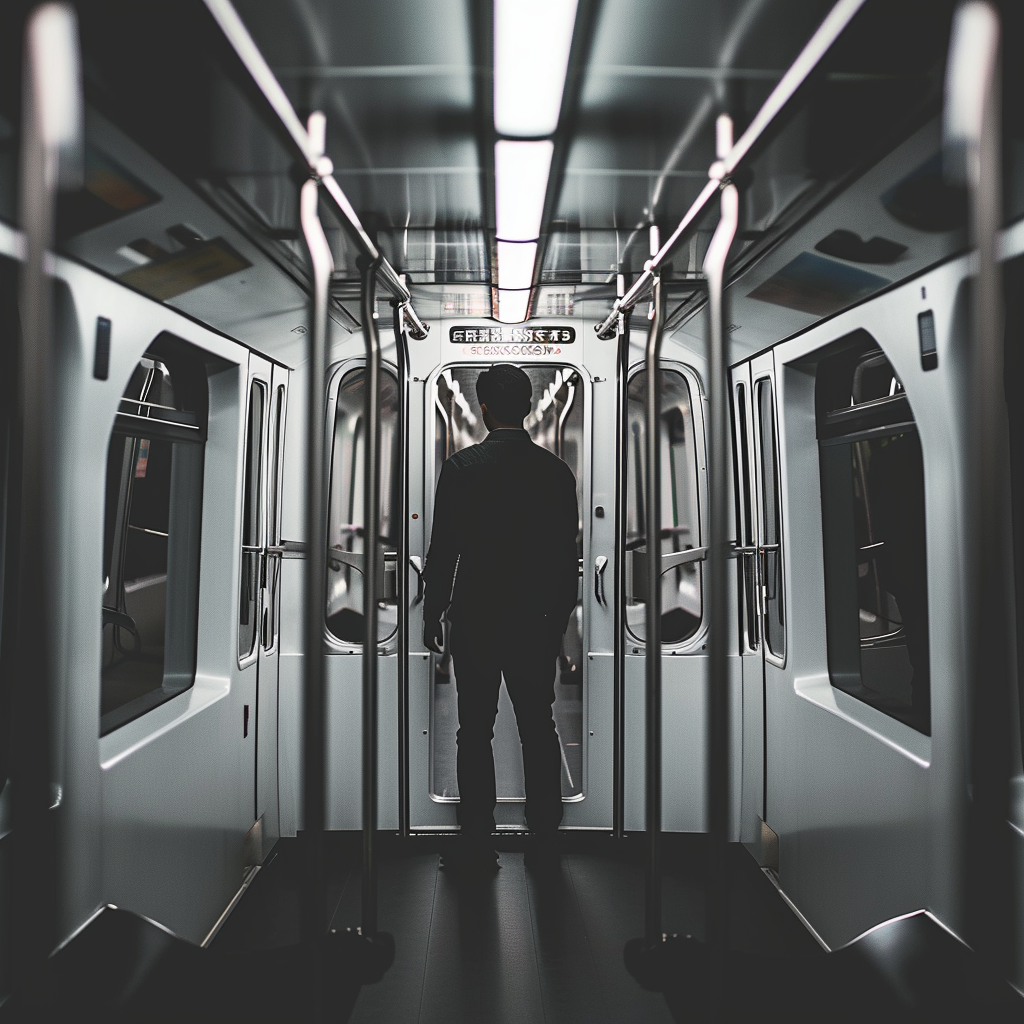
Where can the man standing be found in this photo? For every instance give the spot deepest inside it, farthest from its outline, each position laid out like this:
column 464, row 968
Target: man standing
column 503, row 565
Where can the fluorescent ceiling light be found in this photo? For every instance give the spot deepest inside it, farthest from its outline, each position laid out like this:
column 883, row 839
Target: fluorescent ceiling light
column 515, row 264
column 531, row 54
column 520, row 182
column 512, row 306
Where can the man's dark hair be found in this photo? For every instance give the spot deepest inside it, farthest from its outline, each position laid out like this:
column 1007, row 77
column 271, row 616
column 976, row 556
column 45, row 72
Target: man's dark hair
column 506, row 391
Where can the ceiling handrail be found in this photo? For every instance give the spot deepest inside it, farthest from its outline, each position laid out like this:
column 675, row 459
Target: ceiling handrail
column 781, row 96
column 319, row 166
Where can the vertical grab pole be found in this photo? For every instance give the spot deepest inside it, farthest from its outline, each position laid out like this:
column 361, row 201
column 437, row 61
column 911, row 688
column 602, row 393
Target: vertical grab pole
column 402, row 578
column 314, row 924
column 652, row 661
column 51, row 160
column 371, row 543
column 972, row 141
column 619, row 647
column 716, row 586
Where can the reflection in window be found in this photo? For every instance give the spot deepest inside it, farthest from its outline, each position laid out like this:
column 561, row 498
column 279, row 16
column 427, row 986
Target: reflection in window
column 872, row 476
column 681, row 598
column 151, row 536
column 346, row 536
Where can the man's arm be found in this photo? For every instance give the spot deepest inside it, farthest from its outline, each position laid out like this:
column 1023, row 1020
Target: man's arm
column 439, row 572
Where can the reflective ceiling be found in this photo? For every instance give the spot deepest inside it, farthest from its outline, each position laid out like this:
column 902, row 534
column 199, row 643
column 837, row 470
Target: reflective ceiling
column 406, row 86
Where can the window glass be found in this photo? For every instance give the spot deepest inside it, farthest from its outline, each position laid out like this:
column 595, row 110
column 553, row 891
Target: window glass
column 273, row 568
column 747, row 561
column 151, row 545
column 873, row 510
column 681, row 591
column 771, row 539
column 252, row 523
column 346, row 536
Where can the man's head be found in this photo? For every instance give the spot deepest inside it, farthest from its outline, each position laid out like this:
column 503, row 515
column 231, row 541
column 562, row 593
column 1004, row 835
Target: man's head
column 505, row 395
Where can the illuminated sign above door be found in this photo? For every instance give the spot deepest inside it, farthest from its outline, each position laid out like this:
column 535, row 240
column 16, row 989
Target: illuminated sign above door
column 512, row 341
column 512, row 335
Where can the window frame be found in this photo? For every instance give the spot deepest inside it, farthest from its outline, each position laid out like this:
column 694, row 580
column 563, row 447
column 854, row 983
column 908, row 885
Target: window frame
column 335, row 375
column 693, row 643
column 188, row 367
column 835, row 444
column 257, row 548
column 758, row 383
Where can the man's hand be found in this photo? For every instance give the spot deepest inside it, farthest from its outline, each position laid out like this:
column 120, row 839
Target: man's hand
column 433, row 636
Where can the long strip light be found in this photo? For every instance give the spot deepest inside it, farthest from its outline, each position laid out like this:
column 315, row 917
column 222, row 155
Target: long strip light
column 531, row 54
column 532, row 39
column 520, row 183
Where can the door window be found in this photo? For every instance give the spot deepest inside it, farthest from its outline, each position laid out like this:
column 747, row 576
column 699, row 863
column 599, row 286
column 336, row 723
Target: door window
column 772, row 589
column 873, row 520
column 252, row 523
column 681, row 583
column 346, row 535
column 273, row 563
column 151, row 535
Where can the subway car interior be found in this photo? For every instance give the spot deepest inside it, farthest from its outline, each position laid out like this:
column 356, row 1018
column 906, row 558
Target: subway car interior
column 763, row 264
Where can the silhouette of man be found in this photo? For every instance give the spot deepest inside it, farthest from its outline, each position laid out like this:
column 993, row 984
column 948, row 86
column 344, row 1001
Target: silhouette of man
column 503, row 566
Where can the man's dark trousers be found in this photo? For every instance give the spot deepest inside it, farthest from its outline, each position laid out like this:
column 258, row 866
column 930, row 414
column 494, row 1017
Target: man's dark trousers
column 525, row 650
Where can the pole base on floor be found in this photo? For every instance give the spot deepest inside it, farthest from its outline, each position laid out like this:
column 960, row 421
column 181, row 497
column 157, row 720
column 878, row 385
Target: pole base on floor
column 654, row 965
column 366, row 958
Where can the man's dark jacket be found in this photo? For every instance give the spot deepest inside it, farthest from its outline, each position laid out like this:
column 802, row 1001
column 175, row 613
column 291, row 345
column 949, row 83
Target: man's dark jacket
column 503, row 541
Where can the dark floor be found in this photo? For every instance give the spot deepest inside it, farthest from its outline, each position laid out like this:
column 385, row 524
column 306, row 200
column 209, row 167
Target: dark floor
column 510, row 949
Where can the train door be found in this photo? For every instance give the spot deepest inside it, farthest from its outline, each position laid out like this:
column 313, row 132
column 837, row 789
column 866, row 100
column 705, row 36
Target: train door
column 683, row 623
column 252, row 602
column 560, row 421
column 268, row 668
column 759, row 562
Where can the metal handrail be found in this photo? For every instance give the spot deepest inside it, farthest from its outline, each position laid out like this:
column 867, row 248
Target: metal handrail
column 314, row 924
column 51, row 161
column 716, row 583
column 781, row 96
column 309, row 151
column 371, row 514
column 619, row 590
column 402, row 580
column 972, row 143
column 652, row 661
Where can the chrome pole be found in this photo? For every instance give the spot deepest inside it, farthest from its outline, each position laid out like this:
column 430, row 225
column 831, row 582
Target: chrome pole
column 791, row 83
column 652, row 659
column 402, row 579
column 51, row 161
column 619, row 644
column 972, row 141
column 371, row 595
column 314, row 923
column 716, row 585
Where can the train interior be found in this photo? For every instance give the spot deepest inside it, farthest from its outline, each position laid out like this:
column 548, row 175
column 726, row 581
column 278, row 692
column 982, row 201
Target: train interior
column 763, row 263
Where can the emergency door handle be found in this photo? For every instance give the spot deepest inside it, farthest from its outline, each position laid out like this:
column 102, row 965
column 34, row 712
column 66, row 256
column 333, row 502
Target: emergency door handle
column 600, row 565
